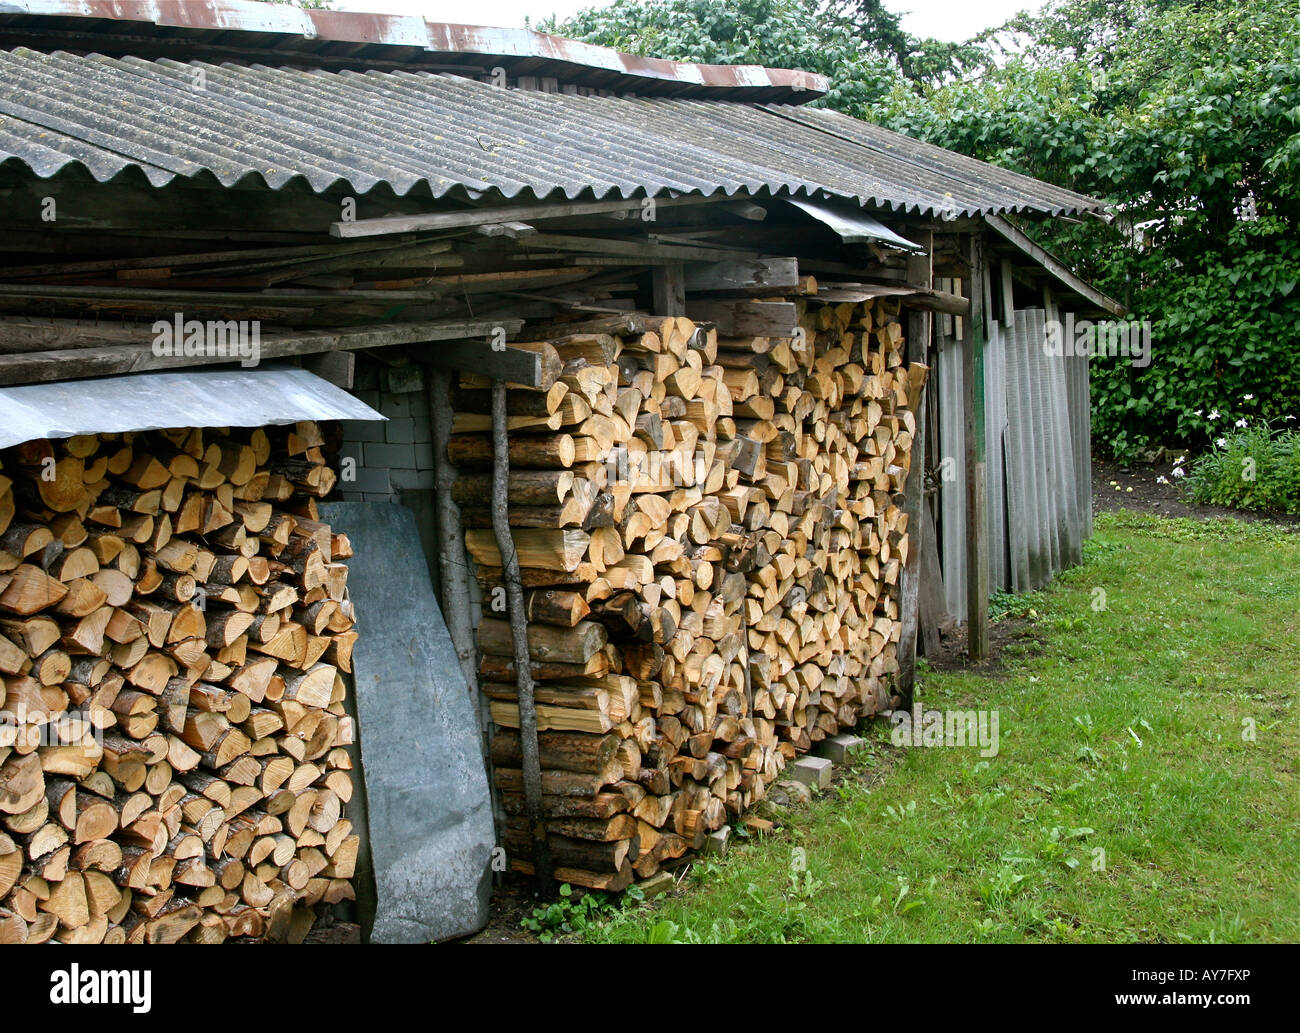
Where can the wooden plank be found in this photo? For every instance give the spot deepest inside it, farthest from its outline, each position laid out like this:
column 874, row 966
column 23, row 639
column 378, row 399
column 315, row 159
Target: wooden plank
column 204, row 299
column 758, row 274
column 339, row 368
column 742, row 318
column 642, row 249
column 507, row 213
column 513, row 365
column 927, row 299
column 938, row 301
column 72, row 364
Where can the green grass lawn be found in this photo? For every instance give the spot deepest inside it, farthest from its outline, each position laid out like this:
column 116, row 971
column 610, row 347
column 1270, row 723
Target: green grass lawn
column 1145, row 788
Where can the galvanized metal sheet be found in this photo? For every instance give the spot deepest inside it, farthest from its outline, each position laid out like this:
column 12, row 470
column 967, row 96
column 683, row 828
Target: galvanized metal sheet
column 428, row 808
column 854, row 227
column 450, row 136
column 253, row 397
column 285, row 30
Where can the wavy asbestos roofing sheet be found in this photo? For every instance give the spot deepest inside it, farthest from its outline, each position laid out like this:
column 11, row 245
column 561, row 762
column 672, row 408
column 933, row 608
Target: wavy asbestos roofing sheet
column 438, row 135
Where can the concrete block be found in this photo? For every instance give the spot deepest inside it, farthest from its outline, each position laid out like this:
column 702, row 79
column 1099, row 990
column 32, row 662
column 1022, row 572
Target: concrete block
column 424, row 455
column 393, row 457
column 814, row 772
column 400, row 431
column 371, row 480
column 657, row 884
column 411, row 480
column 837, row 748
column 403, row 380
column 362, row 430
column 394, row 406
column 716, row 842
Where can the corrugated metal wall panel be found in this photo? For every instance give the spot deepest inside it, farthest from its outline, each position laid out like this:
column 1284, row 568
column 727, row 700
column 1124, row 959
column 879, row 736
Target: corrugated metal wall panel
column 952, row 488
column 1080, row 395
column 995, row 422
column 1044, row 545
column 1020, row 478
column 1037, row 427
column 1064, row 438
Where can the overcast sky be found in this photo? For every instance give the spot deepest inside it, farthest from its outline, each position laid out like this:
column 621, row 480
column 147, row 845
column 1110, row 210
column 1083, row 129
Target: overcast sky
column 946, row 19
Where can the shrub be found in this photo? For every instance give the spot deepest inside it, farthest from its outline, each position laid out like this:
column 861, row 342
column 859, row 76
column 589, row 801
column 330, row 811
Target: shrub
column 1256, row 467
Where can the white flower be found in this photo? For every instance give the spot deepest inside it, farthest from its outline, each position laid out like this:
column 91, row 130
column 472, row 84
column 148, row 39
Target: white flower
column 1199, row 411
column 1214, row 414
column 1162, row 479
column 1241, row 422
column 1178, row 471
column 1247, row 398
column 1180, row 460
column 1220, row 442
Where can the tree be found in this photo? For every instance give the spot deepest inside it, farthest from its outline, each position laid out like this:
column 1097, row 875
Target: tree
column 1184, row 116
column 1181, row 114
column 803, row 34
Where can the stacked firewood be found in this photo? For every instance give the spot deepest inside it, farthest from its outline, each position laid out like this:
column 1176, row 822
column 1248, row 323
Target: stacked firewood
column 711, row 533
column 173, row 624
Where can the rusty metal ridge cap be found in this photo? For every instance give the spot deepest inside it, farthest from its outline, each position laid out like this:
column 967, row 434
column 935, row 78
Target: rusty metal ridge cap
column 412, row 31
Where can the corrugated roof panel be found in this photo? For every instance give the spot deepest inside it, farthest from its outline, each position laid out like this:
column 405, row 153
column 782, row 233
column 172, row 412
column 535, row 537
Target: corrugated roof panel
column 425, row 132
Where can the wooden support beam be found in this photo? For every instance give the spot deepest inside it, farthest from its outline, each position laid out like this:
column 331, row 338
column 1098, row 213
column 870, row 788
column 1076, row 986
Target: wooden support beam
column 1055, row 266
column 339, row 368
column 669, row 288
column 507, row 213
column 977, row 538
column 106, row 360
column 515, row 365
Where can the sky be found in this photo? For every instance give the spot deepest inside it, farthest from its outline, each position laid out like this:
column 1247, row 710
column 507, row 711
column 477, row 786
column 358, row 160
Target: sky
column 953, row 20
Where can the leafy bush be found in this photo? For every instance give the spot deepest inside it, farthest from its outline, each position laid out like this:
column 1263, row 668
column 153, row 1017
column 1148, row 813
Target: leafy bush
column 1254, row 467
